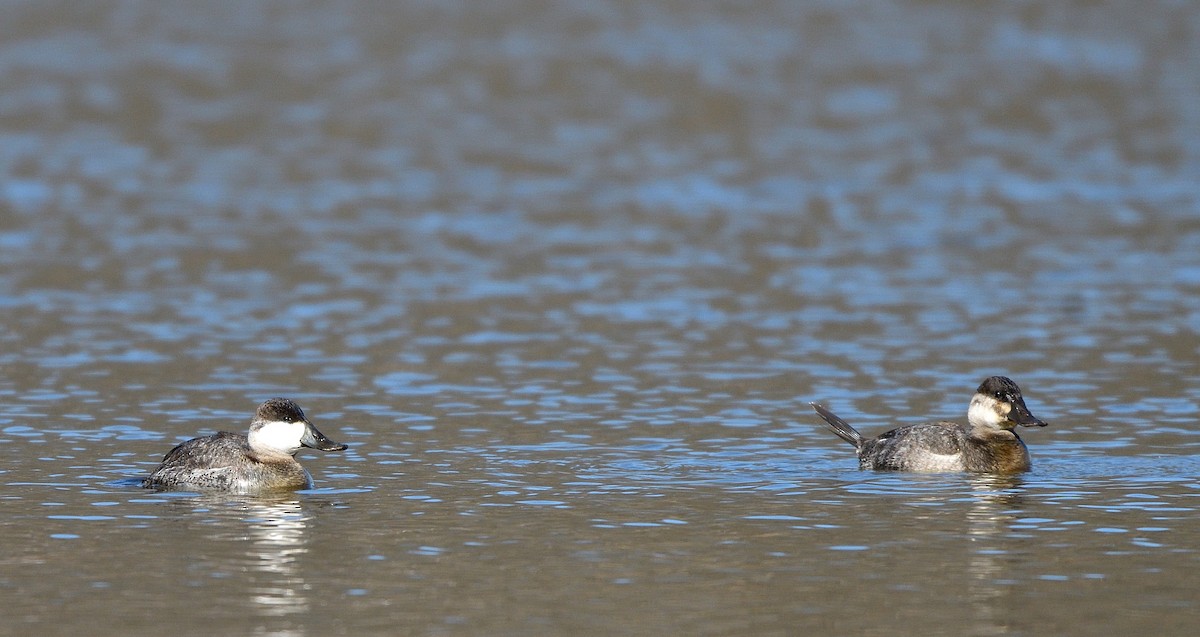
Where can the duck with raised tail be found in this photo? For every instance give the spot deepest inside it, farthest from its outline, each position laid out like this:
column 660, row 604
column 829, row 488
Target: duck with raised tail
column 988, row 443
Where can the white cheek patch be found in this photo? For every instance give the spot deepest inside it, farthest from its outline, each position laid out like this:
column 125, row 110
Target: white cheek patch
column 983, row 412
column 279, row 435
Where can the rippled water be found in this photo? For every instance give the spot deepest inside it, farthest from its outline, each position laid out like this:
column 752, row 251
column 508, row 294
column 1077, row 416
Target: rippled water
column 565, row 277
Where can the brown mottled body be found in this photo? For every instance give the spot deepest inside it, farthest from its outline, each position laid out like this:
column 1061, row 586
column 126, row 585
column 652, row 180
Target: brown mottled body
column 224, row 461
column 263, row 460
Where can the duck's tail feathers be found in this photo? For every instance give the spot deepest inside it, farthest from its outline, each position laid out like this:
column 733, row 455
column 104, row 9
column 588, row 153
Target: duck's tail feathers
column 839, row 426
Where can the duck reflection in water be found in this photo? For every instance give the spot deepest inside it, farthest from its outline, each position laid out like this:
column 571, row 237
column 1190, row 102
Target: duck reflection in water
column 254, row 545
column 988, row 442
column 992, row 562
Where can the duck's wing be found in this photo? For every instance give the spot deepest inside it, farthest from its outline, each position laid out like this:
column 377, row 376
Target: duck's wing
column 930, row 447
column 207, row 461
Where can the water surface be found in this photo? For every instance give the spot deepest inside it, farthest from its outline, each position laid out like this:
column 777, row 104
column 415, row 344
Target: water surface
column 565, row 278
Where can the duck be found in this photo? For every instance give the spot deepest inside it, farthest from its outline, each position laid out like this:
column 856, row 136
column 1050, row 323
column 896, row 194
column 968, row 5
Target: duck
column 261, row 460
column 988, row 443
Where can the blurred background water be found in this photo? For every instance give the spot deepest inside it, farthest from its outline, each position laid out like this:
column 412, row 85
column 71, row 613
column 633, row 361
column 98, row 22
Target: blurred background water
column 565, row 276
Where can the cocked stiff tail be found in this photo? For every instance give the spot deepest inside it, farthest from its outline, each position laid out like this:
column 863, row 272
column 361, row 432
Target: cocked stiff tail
column 839, row 426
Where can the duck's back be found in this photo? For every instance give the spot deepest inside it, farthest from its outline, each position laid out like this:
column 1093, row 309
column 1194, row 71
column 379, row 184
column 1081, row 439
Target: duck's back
column 224, row 461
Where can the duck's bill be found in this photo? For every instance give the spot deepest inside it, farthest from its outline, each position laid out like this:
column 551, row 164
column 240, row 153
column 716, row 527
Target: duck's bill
column 314, row 439
column 1021, row 416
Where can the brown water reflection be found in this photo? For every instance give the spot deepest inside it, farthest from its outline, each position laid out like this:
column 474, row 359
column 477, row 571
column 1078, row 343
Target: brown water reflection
column 565, row 277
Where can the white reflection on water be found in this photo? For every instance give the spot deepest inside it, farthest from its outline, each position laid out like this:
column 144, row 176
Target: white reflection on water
column 273, row 538
column 987, row 523
column 278, row 539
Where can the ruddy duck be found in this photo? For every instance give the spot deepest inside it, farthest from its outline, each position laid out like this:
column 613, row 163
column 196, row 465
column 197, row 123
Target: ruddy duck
column 264, row 460
column 986, row 444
